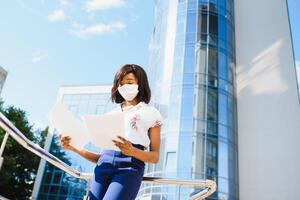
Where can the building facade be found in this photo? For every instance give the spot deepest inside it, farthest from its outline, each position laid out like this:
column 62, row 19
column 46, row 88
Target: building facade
column 224, row 77
column 268, row 102
column 3, row 75
column 53, row 183
column 192, row 65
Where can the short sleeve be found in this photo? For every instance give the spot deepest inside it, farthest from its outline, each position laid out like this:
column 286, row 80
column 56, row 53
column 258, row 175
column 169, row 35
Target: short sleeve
column 156, row 118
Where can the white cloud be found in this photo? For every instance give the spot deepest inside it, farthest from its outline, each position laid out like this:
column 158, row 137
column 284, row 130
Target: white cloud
column 96, row 5
column 64, row 2
column 39, row 55
column 82, row 31
column 57, row 15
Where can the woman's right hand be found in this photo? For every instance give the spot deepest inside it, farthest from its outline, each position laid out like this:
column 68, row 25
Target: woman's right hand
column 65, row 142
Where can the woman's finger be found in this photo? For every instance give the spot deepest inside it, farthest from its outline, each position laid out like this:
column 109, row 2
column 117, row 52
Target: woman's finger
column 66, row 138
column 121, row 138
column 116, row 142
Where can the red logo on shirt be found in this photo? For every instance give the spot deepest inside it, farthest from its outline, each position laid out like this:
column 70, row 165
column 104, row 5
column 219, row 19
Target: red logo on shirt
column 133, row 122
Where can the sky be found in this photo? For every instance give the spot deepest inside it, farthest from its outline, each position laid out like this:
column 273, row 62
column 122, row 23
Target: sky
column 46, row 44
column 294, row 7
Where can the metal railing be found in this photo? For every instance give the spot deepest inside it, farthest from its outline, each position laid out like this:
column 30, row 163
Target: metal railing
column 209, row 185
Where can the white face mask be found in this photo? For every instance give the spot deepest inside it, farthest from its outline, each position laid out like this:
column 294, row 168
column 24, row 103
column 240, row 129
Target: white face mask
column 128, row 91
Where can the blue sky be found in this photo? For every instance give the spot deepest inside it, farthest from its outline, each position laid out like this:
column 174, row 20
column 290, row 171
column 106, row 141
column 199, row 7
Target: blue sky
column 294, row 6
column 49, row 43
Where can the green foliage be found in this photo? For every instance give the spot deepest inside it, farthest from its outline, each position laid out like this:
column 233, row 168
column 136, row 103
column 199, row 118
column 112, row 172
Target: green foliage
column 20, row 165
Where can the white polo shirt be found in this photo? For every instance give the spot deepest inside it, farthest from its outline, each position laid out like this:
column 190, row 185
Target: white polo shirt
column 139, row 119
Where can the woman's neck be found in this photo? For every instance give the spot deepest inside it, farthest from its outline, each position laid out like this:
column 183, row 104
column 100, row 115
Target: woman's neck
column 130, row 103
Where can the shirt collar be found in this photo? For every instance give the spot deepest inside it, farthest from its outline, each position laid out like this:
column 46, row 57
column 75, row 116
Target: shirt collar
column 137, row 106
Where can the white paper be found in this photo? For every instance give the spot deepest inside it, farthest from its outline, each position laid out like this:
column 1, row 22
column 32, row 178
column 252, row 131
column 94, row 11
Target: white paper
column 103, row 128
column 67, row 125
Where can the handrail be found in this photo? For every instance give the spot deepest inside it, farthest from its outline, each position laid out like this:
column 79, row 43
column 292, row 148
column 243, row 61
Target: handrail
column 9, row 127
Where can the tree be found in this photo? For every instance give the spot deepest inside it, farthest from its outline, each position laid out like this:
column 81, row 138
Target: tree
column 20, row 166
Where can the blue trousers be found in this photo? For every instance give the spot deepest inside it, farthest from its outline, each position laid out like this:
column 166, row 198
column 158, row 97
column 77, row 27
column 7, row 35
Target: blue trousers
column 117, row 176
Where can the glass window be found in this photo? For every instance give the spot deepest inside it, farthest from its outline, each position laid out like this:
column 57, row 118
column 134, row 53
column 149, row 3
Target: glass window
column 170, row 161
column 202, row 23
column 223, row 131
column 213, row 24
column 212, row 62
column 186, row 125
column 212, row 127
column 230, row 70
column 229, row 5
column 200, row 95
column 223, row 109
column 57, row 177
column 179, row 38
column 201, row 60
column 182, row 7
column 44, row 189
column 99, row 109
column 212, row 105
column 189, row 59
column 211, row 157
column 200, row 79
column 223, row 188
column 222, row 4
column 203, row 5
column 229, row 34
column 222, row 66
column 67, row 98
column 47, row 177
column 187, row 103
column 223, row 159
column 191, row 22
column 188, row 78
column 213, row 6
column 73, row 108
column 190, row 38
column 180, row 25
column 192, row 4
column 222, row 26
column 202, row 38
column 54, row 189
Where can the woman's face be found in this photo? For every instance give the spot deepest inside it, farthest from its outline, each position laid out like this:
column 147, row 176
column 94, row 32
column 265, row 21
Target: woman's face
column 129, row 79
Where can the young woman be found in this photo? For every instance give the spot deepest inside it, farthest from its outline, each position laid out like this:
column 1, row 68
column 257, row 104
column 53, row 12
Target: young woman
column 118, row 174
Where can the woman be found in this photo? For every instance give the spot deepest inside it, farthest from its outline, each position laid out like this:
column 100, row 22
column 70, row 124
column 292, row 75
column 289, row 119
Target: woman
column 118, row 174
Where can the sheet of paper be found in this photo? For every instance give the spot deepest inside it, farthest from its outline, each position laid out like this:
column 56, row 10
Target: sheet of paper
column 66, row 124
column 103, row 128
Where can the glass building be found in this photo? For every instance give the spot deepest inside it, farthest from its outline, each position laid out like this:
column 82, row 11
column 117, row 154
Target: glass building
column 192, row 73
column 55, row 183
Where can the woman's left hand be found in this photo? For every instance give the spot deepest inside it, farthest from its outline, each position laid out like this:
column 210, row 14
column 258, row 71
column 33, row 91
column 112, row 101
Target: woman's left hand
column 125, row 146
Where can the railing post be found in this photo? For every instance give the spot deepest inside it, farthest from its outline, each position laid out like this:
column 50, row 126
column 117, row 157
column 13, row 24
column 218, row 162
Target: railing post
column 16, row 135
column 2, row 148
